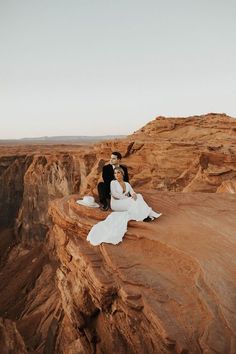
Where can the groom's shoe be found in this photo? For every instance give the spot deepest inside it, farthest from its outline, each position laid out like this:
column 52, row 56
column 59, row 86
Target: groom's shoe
column 148, row 219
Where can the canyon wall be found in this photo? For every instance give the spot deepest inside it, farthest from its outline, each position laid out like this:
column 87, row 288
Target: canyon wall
column 157, row 292
column 12, row 171
column 167, row 288
column 196, row 154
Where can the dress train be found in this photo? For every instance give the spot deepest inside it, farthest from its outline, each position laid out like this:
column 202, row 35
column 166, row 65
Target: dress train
column 112, row 229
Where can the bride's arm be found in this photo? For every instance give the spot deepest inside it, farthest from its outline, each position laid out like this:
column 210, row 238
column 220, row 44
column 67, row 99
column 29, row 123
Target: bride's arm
column 132, row 192
column 115, row 193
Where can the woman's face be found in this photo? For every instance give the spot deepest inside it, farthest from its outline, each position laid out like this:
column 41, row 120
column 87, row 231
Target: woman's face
column 118, row 175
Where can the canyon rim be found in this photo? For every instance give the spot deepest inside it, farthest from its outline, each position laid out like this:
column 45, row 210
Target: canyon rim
column 169, row 287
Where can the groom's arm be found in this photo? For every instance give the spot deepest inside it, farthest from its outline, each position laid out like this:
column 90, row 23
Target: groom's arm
column 106, row 174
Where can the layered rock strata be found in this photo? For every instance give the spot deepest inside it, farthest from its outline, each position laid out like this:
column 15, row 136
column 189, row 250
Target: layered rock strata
column 29, row 181
column 196, row 154
column 12, row 171
column 10, row 339
column 167, row 288
column 30, row 305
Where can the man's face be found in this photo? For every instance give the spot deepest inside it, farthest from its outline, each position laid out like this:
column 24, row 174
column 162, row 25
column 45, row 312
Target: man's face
column 114, row 160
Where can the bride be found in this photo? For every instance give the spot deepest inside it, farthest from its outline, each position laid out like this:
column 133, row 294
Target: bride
column 127, row 205
column 123, row 198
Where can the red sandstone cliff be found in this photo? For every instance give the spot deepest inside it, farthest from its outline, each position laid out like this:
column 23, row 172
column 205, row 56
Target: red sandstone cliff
column 169, row 287
column 183, row 154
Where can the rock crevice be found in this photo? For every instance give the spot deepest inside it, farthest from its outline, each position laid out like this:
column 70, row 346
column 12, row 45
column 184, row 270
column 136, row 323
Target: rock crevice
column 157, row 291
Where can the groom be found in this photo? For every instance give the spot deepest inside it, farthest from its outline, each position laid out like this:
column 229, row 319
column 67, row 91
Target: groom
column 108, row 175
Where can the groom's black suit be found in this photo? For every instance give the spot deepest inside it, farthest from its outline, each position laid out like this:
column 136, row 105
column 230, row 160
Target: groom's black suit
column 104, row 187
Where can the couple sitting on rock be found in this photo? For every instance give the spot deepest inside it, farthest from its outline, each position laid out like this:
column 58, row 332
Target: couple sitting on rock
column 116, row 190
column 108, row 175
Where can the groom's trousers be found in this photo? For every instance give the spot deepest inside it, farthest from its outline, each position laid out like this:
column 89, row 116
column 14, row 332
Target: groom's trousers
column 104, row 193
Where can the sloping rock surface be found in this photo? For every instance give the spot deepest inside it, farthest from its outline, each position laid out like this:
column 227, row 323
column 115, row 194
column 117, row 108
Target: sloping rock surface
column 30, row 304
column 195, row 154
column 168, row 287
column 10, row 339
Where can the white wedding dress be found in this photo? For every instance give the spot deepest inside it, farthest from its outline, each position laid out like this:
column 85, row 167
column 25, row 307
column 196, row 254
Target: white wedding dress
column 125, row 208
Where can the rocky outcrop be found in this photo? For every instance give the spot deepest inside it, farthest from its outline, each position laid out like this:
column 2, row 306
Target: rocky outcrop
column 184, row 154
column 177, row 154
column 29, row 181
column 12, row 171
column 10, row 340
column 167, row 288
column 7, row 242
column 206, row 128
column 214, row 169
column 30, row 304
column 227, row 187
column 169, row 154
column 48, row 177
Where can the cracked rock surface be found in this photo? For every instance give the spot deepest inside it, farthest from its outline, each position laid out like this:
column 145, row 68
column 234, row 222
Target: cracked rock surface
column 168, row 287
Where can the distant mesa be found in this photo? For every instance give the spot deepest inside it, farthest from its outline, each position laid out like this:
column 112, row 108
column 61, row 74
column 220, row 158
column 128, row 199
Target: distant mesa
column 65, row 139
column 76, row 137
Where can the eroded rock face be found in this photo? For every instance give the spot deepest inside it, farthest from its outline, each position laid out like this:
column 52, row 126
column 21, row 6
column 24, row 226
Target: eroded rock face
column 184, row 154
column 175, row 154
column 48, row 177
column 168, row 287
column 30, row 304
column 10, row 340
column 195, row 154
column 29, row 181
column 227, row 187
column 12, row 171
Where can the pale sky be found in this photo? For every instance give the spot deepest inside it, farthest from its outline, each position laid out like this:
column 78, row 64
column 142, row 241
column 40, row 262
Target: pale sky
column 83, row 67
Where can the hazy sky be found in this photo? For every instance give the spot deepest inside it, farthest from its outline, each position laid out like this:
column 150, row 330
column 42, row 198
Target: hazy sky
column 83, row 67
